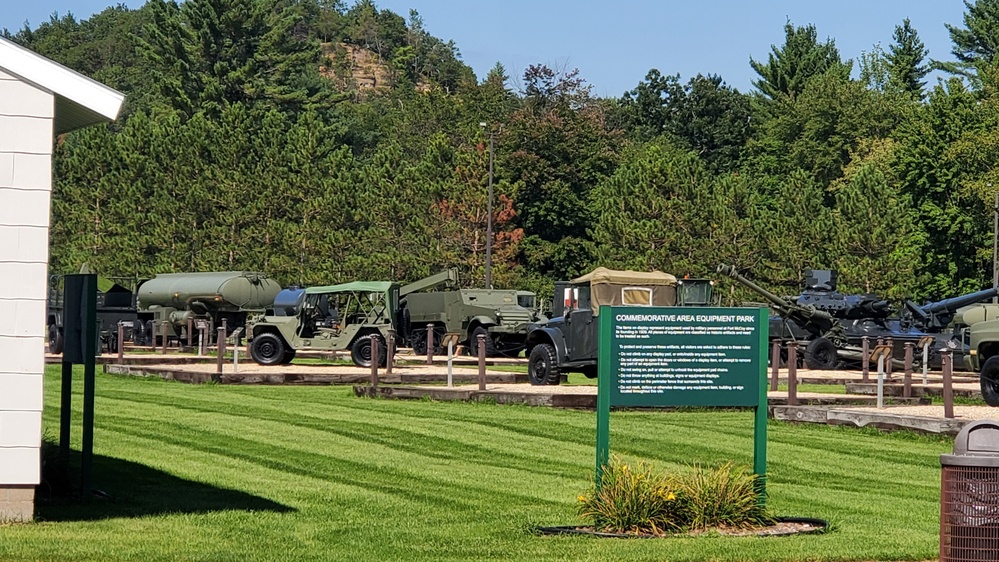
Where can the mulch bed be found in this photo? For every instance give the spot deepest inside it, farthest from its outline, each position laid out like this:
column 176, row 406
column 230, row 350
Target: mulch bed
column 784, row 526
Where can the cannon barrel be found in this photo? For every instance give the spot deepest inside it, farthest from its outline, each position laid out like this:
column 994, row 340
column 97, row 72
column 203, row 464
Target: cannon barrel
column 777, row 301
column 952, row 304
column 808, row 317
column 876, row 308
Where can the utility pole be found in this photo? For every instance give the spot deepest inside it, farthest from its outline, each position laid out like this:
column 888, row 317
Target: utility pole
column 489, row 215
column 995, row 245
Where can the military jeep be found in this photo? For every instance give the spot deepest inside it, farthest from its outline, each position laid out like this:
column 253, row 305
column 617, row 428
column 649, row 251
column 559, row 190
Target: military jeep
column 568, row 341
column 330, row 318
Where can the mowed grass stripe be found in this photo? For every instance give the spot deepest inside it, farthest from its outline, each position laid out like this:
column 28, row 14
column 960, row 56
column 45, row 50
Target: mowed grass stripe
column 462, row 441
column 371, row 479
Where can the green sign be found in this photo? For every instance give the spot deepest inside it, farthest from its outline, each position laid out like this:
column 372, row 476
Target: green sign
column 682, row 356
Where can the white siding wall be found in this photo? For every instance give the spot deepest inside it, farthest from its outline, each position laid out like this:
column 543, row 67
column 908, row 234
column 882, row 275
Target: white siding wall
column 26, row 127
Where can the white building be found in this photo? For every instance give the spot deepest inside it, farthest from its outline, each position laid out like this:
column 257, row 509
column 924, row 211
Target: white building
column 38, row 100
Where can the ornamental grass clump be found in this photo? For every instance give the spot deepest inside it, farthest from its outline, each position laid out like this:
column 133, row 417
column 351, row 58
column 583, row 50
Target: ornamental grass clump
column 724, row 497
column 636, row 499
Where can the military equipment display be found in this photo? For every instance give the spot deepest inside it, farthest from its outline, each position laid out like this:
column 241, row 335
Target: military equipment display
column 211, row 297
column 499, row 314
column 937, row 316
column 330, row 318
column 568, row 341
column 833, row 325
column 115, row 303
column 978, row 327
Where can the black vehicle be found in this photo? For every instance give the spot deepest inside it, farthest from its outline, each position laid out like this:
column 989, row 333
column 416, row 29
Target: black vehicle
column 568, row 342
column 115, row 304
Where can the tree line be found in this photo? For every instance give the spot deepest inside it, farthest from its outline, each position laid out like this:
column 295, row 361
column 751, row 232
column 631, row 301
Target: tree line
column 248, row 142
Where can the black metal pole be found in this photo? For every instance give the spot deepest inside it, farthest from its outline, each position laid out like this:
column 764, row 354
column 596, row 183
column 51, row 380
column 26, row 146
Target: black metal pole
column 489, row 220
column 65, row 410
column 89, row 382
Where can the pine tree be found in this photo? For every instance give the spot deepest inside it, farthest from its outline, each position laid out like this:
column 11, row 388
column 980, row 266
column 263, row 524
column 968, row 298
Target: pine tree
column 906, row 68
column 801, row 57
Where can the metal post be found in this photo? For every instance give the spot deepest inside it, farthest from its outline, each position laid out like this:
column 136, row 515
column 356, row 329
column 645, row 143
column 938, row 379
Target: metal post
column 450, row 362
column 389, row 352
column 430, row 344
column 65, row 410
column 235, row 358
column 489, row 220
column 152, row 334
column 374, row 363
column 890, row 361
column 926, row 359
column 995, row 246
column 163, row 337
column 881, row 379
column 948, row 390
column 774, row 365
column 225, row 334
column 482, row 361
column 190, row 328
column 907, row 380
column 202, row 339
column 792, row 373
column 121, row 343
column 219, row 358
column 866, row 358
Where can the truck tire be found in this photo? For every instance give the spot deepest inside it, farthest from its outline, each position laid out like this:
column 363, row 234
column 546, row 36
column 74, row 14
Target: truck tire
column 820, row 354
column 55, row 339
column 989, row 378
column 473, row 344
column 542, row 366
column 267, row 349
column 288, row 356
column 360, row 351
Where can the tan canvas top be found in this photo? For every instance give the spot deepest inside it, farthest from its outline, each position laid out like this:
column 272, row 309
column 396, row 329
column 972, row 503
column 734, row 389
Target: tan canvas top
column 626, row 277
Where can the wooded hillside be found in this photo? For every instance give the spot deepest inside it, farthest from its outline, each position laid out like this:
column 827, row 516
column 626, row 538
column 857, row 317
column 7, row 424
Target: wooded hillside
column 323, row 143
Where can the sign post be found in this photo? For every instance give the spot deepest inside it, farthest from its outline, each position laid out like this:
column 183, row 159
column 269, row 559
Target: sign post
column 662, row 357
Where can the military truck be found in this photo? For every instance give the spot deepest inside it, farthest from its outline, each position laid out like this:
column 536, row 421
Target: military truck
column 210, row 297
column 329, row 318
column 977, row 326
column 568, row 341
column 115, row 304
column 499, row 314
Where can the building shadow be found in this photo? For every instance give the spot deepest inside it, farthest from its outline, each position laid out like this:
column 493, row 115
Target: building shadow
column 124, row 488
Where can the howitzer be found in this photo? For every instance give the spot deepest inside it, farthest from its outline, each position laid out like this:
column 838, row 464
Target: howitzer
column 824, row 333
column 817, row 322
column 935, row 316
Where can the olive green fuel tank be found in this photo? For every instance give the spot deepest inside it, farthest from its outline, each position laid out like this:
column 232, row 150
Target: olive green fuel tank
column 218, row 290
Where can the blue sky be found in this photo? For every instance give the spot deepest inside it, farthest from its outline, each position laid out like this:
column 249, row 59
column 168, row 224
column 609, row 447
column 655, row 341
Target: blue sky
column 614, row 44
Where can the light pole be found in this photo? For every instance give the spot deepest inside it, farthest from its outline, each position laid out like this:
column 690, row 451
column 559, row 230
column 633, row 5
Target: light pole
column 995, row 244
column 489, row 214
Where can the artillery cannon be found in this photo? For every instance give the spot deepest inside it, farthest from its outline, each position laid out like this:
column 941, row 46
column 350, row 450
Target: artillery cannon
column 935, row 316
column 824, row 333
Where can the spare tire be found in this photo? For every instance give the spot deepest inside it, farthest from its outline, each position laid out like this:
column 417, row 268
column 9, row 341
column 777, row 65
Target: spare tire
column 989, row 378
column 820, row 354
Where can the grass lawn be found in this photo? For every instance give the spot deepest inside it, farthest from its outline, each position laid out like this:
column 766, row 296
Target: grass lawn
column 217, row 472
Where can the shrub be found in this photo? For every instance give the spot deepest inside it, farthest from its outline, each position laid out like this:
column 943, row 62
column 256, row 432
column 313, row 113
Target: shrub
column 634, row 500
column 724, row 497
column 639, row 500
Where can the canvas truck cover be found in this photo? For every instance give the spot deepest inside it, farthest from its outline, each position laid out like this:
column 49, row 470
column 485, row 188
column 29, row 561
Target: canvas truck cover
column 635, row 288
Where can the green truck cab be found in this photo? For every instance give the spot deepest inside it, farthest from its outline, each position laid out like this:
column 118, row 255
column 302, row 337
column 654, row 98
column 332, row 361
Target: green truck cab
column 978, row 327
column 568, row 341
column 330, row 318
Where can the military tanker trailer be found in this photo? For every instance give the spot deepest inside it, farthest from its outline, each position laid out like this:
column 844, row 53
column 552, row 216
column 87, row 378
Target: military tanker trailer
column 187, row 299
